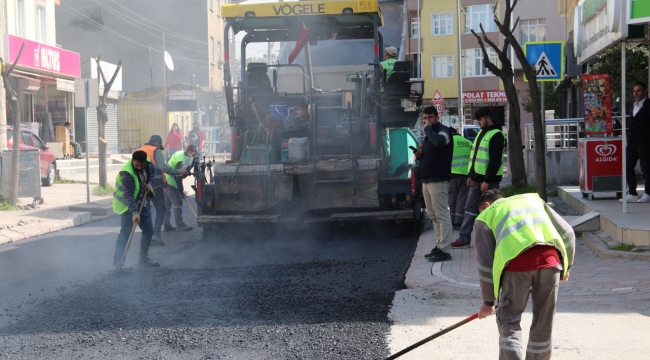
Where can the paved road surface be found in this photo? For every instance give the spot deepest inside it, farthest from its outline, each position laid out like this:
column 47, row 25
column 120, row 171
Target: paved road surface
column 322, row 295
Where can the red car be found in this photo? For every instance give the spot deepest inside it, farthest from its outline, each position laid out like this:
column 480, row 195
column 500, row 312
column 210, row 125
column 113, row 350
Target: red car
column 30, row 141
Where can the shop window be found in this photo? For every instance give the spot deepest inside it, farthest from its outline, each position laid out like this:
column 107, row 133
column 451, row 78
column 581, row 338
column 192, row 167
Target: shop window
column 532, row 30
column 20, row 18
column 479, row 15
column 473, row 62
column 442, row 66
column 40, row 24
column 442, row 24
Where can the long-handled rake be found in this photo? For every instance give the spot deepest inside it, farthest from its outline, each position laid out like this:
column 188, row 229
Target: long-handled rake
column 120, row 270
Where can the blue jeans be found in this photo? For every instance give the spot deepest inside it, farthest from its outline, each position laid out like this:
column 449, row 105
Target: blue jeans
column 125, row 230
column 471, row 210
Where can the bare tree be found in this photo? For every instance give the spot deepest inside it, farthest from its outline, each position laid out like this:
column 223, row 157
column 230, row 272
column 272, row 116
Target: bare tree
column 102, row 119
column 506, row 74
column 15, row 114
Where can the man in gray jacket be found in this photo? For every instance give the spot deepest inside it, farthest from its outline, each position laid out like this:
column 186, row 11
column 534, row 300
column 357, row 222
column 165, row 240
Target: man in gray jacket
column 154, row 150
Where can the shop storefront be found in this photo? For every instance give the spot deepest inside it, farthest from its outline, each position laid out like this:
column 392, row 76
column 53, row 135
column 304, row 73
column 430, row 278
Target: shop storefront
column 43, row 80
column 495, row 99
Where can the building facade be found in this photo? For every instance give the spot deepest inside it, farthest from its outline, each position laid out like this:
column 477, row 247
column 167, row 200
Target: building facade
column 43, row 73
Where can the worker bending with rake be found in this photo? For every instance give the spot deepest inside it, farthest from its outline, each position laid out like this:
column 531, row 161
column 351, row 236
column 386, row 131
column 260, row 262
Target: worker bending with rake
column 174, row 192
column 132, row 184
column 523, row 248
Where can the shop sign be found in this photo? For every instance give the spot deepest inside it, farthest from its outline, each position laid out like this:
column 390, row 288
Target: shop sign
column 484, row 96
column 638, row 11
column 38, row 56
column 597, row 27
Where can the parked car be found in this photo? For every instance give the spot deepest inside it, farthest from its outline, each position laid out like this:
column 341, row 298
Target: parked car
column 470, row 132
column 30, row 141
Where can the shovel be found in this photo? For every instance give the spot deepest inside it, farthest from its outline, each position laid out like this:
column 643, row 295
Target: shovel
column 121, row 270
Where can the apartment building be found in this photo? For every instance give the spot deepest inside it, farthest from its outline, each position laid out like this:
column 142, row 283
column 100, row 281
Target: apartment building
column 42, row 77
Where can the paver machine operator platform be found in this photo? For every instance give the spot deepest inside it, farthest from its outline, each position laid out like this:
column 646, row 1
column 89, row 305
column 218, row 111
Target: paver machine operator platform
column 314, row 139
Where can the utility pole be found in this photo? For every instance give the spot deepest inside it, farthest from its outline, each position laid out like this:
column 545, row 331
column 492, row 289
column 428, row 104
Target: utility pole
column 461, row 110
column 3, row 105
column 164, row 68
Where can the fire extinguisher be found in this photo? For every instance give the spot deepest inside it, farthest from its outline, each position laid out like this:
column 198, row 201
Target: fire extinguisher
column 234, row 132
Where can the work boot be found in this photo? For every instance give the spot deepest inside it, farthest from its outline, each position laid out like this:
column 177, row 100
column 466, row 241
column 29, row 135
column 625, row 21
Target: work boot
column 183, row 227
column 157, row 241
column 147, row 263
column 167, row 228
column 440, row 256
column 433, row 252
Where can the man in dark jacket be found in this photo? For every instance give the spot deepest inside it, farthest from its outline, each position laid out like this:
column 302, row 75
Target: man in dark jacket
column 485, row 170
column 435, row 171
column 132, row 185
column 638, row 147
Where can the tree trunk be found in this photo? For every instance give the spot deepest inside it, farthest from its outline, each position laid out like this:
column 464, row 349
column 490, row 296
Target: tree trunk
column 540, row 141
column 102, row 118
column 15, row 150
column 516, row 164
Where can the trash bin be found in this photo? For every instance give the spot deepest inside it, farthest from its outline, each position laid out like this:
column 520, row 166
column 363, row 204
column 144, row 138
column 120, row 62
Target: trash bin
column 29, row 177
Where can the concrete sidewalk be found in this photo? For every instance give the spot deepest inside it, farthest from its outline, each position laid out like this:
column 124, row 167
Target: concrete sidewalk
column 601, row 311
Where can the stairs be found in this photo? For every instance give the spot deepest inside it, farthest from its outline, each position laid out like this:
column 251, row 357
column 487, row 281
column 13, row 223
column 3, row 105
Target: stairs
column 67, row 168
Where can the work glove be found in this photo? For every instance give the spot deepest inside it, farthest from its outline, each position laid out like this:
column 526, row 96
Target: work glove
column 136, row 219
column 148, row 188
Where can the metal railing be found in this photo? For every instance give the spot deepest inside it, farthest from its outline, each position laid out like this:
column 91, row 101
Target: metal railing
column 563, row 134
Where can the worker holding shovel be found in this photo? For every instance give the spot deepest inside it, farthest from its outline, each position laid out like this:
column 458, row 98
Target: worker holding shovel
column 174, row 193
column 523, row 248
column 132, row 185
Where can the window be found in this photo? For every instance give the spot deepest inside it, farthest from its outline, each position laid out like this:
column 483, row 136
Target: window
column 20, row 17
column 38, row 142
column 218, row 7
column 479, row 14
column 211, row 5
column 27, row 138
column 442, row 24
column 211, row 53
column 40, row 24
column 532, row 30
column 219, row 54
column 442, row 66
column 415, row 28
column 473, row 62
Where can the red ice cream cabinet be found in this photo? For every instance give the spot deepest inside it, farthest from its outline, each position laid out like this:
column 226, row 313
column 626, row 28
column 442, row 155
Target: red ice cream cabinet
column 601, row 166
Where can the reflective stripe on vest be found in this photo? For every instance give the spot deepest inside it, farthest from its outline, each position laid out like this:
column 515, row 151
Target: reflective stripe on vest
column 178, row 156
column 160, row 175
column 119, row 204
column 389, row 66
column 518, row 223
column 460, row 160
column 483, row 154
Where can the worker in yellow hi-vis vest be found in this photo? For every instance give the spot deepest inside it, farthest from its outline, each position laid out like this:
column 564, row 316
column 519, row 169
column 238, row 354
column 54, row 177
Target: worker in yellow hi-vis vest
column 485, row 170
column 523, row 249
column 174, row 193
column 458, row 188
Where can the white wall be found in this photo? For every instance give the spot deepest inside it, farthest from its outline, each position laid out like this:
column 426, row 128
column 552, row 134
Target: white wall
column 30, row 19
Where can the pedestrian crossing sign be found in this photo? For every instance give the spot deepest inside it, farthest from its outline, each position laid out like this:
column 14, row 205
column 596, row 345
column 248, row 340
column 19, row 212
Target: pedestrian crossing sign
column 547, row 58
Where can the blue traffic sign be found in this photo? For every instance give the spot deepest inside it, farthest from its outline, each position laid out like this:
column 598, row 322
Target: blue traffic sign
column 548, row 59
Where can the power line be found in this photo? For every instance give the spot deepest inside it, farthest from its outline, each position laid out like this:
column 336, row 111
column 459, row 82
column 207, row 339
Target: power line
column 132, row 22
column 160, row 28
column 194, row 62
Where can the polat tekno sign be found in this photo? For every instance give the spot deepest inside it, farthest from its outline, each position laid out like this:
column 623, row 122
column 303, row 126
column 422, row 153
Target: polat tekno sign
column 45, row 58
column 484, row 96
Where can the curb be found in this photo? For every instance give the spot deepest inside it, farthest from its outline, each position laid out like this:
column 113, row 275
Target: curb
column 18, row 233
column 600, row 248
